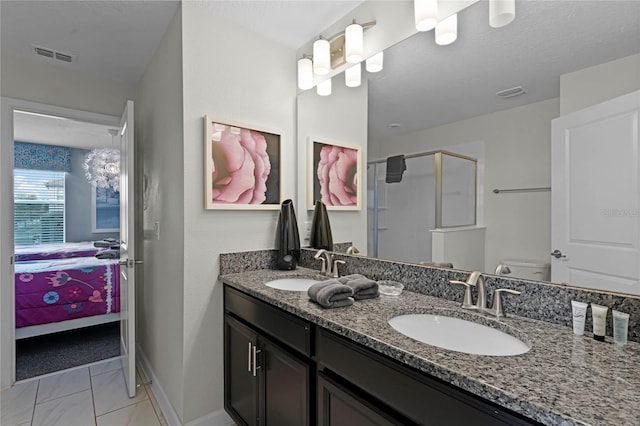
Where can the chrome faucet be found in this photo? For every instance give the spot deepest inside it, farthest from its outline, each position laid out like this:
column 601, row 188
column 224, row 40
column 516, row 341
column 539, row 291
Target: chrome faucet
column 329, row 266
column 353, row 250
column 477, row 280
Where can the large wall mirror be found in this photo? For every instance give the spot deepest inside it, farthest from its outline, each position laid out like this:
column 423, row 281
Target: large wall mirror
column 566, row 55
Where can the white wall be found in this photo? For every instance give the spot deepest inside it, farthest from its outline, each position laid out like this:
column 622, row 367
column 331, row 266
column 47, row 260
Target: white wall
column 593, row 85
column 339, row 118
column 517, row 155
column 233, row 74
column 38, row 81
column 159, row 138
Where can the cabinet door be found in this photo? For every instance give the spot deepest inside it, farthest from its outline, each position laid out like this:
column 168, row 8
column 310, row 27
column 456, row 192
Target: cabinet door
column 286, row 400
column 241, row 386
column 338, row 406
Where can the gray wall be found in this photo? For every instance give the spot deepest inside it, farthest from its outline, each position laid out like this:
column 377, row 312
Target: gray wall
column 78, row 203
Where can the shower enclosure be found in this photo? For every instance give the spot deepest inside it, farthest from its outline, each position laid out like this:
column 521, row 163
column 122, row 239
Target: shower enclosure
column 437, row 191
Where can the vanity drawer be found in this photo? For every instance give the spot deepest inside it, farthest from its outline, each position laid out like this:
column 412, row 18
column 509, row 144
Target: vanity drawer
column 287, row 328
column 417, row 396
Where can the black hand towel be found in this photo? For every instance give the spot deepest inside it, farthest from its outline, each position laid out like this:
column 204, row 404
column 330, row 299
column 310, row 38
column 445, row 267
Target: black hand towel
column 396, row 166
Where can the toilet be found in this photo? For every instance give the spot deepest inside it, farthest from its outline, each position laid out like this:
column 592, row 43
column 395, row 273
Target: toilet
column 525, row 268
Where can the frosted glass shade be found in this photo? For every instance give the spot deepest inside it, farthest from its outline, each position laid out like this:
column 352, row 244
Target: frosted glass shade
column 374, row 63
column 324, row 88
column 447, row 30
column 321, row 57
column 426, row 14
column 305, row 74
column 353, row 75
column 501, row 12
column 353, row 44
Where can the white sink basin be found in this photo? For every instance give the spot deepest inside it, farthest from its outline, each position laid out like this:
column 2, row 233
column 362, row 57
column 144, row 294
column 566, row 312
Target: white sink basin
column 292, row 284
column 458, row 335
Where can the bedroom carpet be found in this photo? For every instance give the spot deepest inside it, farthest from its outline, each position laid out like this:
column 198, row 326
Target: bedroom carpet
column 54, row 352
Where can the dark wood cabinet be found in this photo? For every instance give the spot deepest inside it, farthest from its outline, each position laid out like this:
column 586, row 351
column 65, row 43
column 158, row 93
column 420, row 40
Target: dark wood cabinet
column 281, row 370
column 338, row 406
column 241, row 387
column 266, row 382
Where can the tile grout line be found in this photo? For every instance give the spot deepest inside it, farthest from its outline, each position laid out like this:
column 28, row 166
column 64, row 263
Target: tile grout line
column 35, row 401
column 93, row 399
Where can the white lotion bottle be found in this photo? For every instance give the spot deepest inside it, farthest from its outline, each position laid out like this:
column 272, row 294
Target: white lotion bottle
column 599, row 314
column 579, row 312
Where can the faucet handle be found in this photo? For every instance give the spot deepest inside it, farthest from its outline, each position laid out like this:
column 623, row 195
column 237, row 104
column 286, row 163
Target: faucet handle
column 337, row 262
column 467, row 302
column 323, row 268
column 497, row 308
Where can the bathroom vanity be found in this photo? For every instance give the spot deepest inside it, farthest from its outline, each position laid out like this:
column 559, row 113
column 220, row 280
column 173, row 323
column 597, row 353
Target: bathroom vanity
column 287, row 358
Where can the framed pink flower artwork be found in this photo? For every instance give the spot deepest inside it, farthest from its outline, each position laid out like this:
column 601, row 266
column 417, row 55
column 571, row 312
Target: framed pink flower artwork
column 242, row 167
column 334, row 175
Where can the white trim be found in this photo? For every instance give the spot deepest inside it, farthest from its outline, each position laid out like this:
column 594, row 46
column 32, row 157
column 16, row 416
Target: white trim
column 55, row 327
column 7, row 290
column 215, row 418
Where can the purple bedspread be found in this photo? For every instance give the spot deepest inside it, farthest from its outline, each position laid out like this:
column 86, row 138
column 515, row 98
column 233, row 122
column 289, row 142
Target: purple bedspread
column 55, row 251
column 58, row 290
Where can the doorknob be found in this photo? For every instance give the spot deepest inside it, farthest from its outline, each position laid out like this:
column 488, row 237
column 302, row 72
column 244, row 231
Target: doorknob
column 557, row 254
column 129, row 262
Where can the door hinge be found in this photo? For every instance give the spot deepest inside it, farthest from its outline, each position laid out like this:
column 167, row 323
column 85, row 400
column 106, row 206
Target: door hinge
column 11, row 259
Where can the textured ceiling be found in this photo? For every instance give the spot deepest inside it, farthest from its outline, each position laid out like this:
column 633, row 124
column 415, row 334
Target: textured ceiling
column 423, row 84
column 113, row 39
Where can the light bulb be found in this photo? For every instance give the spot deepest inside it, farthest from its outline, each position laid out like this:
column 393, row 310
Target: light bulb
column 321, row 57
column 374, row 63
column 426, row 14
column 324, row 88
column 305, row 73
column 352, row 76
column 353, row 43
column 501, row 12
column 447, row 30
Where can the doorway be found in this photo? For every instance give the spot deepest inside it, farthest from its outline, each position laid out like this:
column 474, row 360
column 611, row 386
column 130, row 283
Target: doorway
column 49, row 219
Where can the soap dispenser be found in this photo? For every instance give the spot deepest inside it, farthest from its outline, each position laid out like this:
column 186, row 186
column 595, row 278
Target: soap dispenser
column 287, row 237
column 320, row 236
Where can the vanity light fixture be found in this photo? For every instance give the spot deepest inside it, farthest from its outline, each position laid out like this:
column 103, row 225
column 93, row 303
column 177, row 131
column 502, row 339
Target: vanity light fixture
column 501, row 12
column 324, row 88
column 305, row 73
column 353, row 43
column 374, row 63
column 321, row 57
column 426, row 14
column 447, row 30
column 353, row 76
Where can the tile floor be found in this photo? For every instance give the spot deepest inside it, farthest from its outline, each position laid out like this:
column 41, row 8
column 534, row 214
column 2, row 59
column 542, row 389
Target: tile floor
column 90, row 395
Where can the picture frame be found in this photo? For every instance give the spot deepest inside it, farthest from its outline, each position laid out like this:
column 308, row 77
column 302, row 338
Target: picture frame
column 105, row 210
column 327, row 161
column 242, row 166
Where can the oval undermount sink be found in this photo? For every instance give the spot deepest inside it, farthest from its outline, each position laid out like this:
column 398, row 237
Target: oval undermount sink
column 458, row 335
column 292, row 284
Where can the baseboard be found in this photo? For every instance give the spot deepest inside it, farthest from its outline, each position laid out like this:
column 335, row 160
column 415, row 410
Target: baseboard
column 216, row 418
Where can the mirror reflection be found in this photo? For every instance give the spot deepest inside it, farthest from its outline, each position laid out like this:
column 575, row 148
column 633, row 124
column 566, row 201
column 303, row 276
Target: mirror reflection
column 566, row 56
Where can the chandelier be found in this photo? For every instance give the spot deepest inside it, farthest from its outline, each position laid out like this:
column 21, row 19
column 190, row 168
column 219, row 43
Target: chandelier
column 102, row 166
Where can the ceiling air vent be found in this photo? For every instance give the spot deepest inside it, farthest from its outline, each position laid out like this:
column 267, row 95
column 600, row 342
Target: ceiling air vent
column 52, row 54
column 512, row 92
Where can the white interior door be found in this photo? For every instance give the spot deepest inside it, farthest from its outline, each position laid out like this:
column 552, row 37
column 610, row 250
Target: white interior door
column 595, row 199
column 127, row 251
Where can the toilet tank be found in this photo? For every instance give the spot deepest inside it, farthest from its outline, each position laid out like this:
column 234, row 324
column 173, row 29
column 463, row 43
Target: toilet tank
column 527, row 269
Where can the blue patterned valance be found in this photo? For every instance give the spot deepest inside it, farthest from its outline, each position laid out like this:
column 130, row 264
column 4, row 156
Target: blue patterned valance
column 41, row 157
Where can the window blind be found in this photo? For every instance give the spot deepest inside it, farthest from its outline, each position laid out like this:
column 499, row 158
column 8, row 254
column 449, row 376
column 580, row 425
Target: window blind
column 38, row 206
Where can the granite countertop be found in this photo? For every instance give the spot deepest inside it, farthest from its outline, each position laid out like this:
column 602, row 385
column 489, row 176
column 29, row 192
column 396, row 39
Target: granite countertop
column 563, row 380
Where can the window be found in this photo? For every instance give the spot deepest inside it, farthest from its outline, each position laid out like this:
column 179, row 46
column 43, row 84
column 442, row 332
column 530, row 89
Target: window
column 38, row 206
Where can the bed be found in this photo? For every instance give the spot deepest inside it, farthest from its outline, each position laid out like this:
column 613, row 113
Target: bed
column 64, row 294
column 24, row 253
